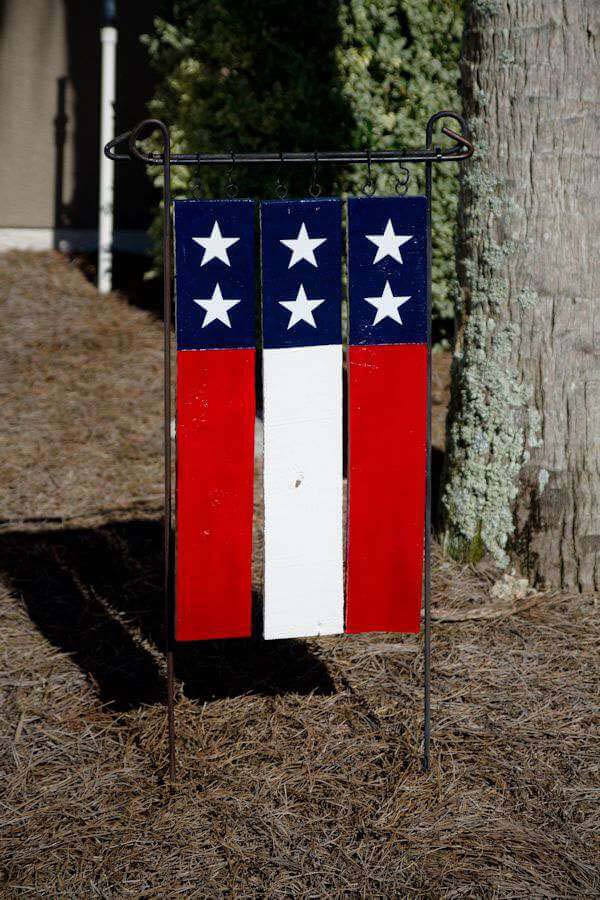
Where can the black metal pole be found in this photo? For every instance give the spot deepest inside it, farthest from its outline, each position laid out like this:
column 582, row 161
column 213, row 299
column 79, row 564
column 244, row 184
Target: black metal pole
column 427, row 572
column 437, row 154
column 168, row 543
column 168, row 584
column 167, row 526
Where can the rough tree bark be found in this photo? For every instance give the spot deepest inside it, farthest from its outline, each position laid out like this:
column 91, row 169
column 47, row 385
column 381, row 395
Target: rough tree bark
column 523, row 469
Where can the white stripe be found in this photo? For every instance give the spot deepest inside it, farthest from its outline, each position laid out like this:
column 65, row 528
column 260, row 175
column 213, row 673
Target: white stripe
column 304, row 585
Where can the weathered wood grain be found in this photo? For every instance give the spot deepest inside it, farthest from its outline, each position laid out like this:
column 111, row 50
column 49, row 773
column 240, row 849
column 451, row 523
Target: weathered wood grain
column 304, row 586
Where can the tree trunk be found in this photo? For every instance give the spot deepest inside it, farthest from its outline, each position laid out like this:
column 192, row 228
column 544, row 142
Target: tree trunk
column 523, row 468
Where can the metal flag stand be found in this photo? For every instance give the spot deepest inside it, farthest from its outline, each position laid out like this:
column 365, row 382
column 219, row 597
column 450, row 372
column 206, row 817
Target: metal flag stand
column 462, row 149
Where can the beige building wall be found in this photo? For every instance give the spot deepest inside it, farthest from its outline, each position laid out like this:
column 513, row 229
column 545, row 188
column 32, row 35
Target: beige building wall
column 33, row 80
column 49, row 122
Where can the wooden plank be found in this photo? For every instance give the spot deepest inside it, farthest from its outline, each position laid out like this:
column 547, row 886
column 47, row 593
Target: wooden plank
column 303, row 492
column 387, row 412
column 302, row 375
column 387, row 394
column 215, row 485
column 215, row 417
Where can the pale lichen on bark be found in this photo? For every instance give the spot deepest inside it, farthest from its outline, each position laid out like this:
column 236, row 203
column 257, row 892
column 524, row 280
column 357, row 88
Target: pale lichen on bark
column 523, row 462
column 489, row 433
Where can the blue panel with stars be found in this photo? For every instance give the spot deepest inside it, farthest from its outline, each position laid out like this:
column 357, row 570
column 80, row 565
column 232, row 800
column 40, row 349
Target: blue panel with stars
column 214, row 274
column 387, row 270
column 301, row 244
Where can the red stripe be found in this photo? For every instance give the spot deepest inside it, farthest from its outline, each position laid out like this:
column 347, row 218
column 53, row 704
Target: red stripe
column 215, row 476
column 386, row 502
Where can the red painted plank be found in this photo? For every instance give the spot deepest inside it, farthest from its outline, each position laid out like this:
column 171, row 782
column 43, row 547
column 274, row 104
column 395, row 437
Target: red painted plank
column 386, row 502
column 215, row 478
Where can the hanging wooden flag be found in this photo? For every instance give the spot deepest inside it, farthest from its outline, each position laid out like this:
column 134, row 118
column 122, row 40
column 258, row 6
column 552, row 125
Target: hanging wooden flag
column 215, row 417
column 302, row 374
column 387, row 383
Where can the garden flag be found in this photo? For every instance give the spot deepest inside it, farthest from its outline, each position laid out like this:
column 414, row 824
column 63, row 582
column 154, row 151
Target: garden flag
column 215, row 417
column 301, row 253
column 302, row 377
column 387, row 412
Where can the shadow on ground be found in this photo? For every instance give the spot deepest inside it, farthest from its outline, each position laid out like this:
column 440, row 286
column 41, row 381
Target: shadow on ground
column 96, row 594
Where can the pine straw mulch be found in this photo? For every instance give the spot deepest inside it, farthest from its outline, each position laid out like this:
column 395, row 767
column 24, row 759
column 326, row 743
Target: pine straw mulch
column 299, row 770
column 80, row 385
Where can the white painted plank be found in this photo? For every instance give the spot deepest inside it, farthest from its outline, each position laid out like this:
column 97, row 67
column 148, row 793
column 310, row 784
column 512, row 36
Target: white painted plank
column 304, row 583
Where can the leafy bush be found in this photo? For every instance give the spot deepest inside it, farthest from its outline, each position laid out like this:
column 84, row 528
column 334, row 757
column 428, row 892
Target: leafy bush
column 267, row 75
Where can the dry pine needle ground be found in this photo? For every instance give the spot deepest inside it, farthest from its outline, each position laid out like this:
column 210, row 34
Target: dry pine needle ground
column 299, row 771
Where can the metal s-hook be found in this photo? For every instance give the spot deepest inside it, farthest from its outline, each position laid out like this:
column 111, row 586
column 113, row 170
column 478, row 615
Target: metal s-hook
column 197, row 188
column 402, row 180
column 281, row 188
column 232, row 188
column 369, row 186
column 315, row 188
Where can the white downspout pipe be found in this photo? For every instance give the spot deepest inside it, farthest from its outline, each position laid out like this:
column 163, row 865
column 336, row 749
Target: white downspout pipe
column 108, row 38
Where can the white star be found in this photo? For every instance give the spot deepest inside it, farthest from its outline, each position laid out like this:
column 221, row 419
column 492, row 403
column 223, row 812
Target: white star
column 301, row 309
column 303, row 247
column 387, row 305
column 388, row 243
column 217, row 308
column 215, row 245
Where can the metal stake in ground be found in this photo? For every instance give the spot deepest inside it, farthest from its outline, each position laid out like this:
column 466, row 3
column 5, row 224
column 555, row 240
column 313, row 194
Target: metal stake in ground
column 168, row 568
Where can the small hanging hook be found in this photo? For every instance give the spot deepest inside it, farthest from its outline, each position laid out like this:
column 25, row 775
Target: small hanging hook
column 281, row 188
column 197, row 188
column 315, row 187
column 369, row 185
column 231, row 188
column 402, row 179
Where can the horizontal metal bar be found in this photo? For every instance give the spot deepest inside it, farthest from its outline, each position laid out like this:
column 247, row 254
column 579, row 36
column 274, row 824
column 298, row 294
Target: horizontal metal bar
column 462, row 149
column 381, row 156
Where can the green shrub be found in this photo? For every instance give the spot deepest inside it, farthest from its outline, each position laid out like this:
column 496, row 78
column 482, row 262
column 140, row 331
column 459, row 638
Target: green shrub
column 266, row 75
